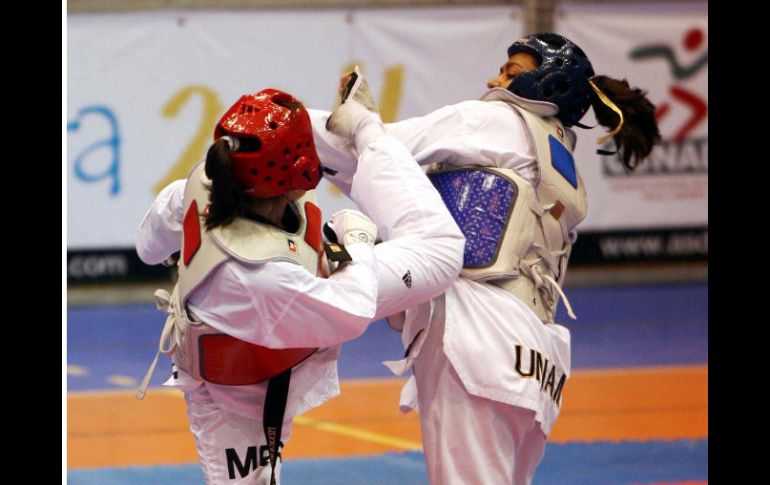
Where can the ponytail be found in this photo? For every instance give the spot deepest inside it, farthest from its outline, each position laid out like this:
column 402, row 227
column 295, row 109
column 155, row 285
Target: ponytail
column 227, row 200
column 639, row 131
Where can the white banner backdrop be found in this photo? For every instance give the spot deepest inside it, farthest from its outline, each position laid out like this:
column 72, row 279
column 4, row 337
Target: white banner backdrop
column 144, row 90
column 662, row 49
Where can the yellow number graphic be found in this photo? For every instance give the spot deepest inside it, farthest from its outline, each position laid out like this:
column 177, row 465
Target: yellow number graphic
column 196, row 147
column 390, row 95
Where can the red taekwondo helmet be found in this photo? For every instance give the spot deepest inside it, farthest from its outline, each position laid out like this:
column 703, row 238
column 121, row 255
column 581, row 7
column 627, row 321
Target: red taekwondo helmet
column 275, row 151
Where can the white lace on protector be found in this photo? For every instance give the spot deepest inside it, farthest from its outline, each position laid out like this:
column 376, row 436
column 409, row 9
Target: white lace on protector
column 544, row 283
column 162, row 303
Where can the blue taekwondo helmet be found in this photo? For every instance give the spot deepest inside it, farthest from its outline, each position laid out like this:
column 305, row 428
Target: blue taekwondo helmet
column 561, row 78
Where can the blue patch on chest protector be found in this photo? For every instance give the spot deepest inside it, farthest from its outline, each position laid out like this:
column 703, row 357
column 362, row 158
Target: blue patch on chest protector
column 562, row 161
column 480, row 202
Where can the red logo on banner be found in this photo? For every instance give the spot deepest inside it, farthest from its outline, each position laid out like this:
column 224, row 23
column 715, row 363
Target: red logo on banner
column 692, row 41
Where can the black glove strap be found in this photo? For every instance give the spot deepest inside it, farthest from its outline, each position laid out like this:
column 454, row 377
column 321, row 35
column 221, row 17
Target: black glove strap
column 336, row 253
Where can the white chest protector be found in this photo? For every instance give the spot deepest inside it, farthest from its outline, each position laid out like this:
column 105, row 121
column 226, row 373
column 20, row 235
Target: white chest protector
column 199, row 349
column 245, row 240
column 518, row 236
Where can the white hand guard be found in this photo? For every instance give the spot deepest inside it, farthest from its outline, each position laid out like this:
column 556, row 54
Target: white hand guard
column 356, row 117
column 352, row 226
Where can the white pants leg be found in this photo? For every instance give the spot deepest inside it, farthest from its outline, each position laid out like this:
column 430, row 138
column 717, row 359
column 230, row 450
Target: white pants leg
column 469, row 440
column 229, row 445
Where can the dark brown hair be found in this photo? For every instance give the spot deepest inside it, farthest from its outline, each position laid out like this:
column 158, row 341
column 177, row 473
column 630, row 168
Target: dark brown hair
column 639, row 132
column 227, row 200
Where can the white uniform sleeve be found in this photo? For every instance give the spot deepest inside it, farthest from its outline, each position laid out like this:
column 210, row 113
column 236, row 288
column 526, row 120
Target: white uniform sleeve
column 282, row 305
column 160, row 232
column 486, row 133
